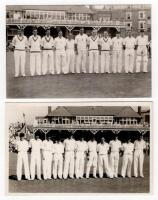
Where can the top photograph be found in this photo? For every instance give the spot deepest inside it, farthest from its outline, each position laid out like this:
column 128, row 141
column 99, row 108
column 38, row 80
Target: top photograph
column 78, row 51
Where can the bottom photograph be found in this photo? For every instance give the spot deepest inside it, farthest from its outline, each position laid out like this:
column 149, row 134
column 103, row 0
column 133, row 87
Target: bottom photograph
column 78, row 148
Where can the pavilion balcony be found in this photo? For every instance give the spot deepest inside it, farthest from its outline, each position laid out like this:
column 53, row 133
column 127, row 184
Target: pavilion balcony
column 65, row 22
column 91, row 126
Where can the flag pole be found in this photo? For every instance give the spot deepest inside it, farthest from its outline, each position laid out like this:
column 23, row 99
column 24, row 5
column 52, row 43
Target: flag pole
column 25, row 122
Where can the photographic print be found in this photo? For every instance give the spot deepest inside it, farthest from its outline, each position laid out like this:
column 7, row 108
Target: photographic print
column 78, row 51
column 78, row 149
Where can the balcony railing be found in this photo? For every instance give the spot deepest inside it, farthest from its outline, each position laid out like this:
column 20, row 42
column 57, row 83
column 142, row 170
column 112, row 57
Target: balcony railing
column 101, row 126
column 11, row 21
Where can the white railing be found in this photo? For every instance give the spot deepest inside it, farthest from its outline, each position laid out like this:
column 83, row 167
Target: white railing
column 64, row 22
column 90, row 126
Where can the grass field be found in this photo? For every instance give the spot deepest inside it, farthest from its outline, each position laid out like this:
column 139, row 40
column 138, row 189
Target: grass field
column 76, row 85
column 105, row 185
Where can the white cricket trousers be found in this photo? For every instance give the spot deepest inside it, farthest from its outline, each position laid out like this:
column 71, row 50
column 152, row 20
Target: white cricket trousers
column 22, row 159
column 58, row 165
column 19, row 59
column 60, row 58
column 69, row 164
column 114, row 162
column 93, row 61
column 117, row 61
column 35, row 162
column 138, row 162
column 81, row 61
column 142, row 56
column 79, row 164
column 129, row 60
column 103, row 164
column 48, row 62
column 35, row 63
column 92, row 162
column 70, row 60
column 127, row 160
column 105, row 61
column 47, row 164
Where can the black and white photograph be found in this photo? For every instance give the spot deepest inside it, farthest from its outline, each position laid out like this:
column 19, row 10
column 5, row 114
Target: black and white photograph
column 73, row 148
column 78, row 51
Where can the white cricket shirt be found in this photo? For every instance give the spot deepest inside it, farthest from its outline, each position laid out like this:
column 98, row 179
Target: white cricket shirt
column 69, row 145
column 35, row 43
column 92, row 146
column 47, row 42
column 129, row 42
column 93, row 42
column 81, row 41
column 115, row 145
column 142, row 41
column 103, row 148
column 58, row 148
column 47, row 145
column 70, row 44
column 139, row 145
column 105, row 43
column 20, row 43
column 60, row 43
column 128, row 148
column 36, row 145
column 117, row 43
column 22, row 146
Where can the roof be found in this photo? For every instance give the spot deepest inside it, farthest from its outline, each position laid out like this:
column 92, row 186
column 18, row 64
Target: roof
column 67, row 8
column 60, row 111
column 117, row 111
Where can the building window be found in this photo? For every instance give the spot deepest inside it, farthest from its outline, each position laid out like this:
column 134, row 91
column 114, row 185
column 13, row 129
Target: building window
column 141, row 25
column 128, row 15
column 45, row 121
column 141, row 14
column 128, row 25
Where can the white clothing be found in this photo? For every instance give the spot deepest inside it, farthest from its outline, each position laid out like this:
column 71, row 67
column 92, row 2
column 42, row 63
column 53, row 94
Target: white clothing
column 58, row 160
column 69, row 158
column 22, row 159
column 47, row 147
column 60, row 45
column 117, row 54
column 129, row 43
column 139, row 146
column 92, row 148
column 48, row 55
column 105, row 44
column 35, row 55
column 81, row 148
column 142, row 53
column 36, row 146
column 127, row 159
column 70, row 55
column 20, row 44
column 115, row 146
column 103, row 162
column 81, row 42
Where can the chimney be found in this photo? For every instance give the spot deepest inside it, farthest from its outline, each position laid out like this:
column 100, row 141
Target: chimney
column 139, row 110
column 49, row 109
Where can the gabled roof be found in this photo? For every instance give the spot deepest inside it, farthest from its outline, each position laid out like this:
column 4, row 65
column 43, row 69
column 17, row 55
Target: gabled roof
column 60, row 111
column 67, row 8
column 128, row 112
column 117, row 111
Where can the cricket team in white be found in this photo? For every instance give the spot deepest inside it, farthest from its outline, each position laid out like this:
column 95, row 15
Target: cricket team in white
column 63, row 56
column 67, row 159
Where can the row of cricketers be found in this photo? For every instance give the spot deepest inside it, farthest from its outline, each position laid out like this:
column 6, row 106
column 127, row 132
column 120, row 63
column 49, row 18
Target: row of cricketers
column 58, row 55
column 67, row 159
